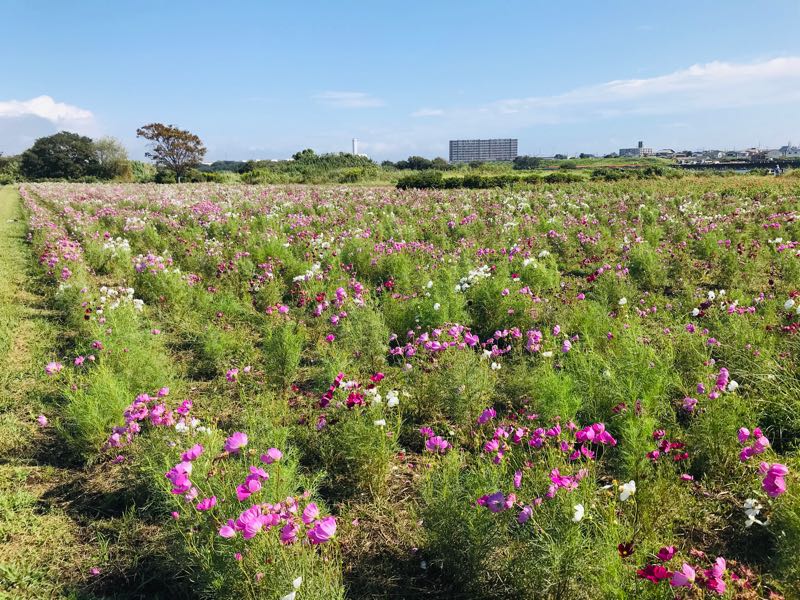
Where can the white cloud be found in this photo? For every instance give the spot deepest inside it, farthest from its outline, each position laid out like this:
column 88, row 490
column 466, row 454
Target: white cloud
column 715, row 85
column 428, row 112
column 44, row 107
column 348, row 100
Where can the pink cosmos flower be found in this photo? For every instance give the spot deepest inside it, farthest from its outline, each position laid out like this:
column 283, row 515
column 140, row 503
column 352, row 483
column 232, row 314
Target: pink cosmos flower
column 517, row 479
column 42, row 420
column 53, row 367
column 525, row 514
column 322, row 531
column 310, row 513
column 437, row 444
column 426, row 431
column 192, row 453
column 497, row 502
column 654, row 573
column 714, row 581
column 486, row 416
column 666, row 553
column 207, row 503
column 272, row 455
column 227, row 530
column 722, row 379
column 289, row 533
column 232, row 374
column 683, row 578
column 774, row 483
column 744, row 434
column 236, row 442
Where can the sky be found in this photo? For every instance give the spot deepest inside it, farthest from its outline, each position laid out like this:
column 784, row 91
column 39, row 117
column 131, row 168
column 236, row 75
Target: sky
column 263, row 79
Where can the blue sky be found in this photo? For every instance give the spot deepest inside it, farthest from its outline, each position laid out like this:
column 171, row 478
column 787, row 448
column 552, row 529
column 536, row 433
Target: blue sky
column 265, row 79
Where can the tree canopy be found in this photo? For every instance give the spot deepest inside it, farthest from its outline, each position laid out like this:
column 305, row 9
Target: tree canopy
column 172, row 148
column 112, row 158
column 64, row 155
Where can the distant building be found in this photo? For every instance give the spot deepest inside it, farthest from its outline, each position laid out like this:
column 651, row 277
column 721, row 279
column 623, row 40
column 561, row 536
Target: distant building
column 640, row 150
column 483, row 150
column 787, row 151
column 666, row 153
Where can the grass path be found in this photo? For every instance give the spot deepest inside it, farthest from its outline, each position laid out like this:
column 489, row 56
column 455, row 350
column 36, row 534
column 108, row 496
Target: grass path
column 44, row 552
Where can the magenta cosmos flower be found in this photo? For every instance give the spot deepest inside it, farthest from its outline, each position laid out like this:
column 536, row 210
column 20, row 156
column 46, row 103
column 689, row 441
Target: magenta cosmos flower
column 310, row 513
column 684, row 577
column 236, row 442
column 272, row 455
column 192, row 453
column 322, row 531
column 774, row 483
column 207, row 503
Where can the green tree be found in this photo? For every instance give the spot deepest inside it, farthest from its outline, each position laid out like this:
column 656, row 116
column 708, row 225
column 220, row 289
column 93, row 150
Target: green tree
column 112, row 158
column 440, row 163
column 174, row 149
column 527, row 163
column 415, row 163
column 305, row 155
column 9, row 169
column 64, row 155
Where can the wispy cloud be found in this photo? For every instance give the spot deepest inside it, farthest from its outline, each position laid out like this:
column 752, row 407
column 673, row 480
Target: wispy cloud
column 44, row 107
column 428, row 112
column 709, row 86
column 348, row 100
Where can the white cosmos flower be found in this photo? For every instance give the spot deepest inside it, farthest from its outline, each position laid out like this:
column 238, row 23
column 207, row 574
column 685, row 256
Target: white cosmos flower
column 429, row 285
column 380, row 423
column 622, row 301
column 437, row 306
column 752, row 508
column 496, row 366
column 733, row 385
column 547, row 354
column 392, row 398
column 577, row 513
column 297, row 583
column 789, row 304
column 712, row 295
column 695, row 312
column 626, row 490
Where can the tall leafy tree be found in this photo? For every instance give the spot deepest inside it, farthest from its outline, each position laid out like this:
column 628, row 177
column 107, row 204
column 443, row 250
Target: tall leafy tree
column 172, row 148
column 64, row 155
column 112, row 158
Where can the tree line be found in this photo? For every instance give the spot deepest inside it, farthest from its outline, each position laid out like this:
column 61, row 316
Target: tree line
column 176, row 155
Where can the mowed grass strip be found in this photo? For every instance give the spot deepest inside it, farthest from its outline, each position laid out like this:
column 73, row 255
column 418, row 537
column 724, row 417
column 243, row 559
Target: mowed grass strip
column 42, row 550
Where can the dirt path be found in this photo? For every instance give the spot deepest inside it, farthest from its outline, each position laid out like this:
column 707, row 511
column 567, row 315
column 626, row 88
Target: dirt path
column 44, row 552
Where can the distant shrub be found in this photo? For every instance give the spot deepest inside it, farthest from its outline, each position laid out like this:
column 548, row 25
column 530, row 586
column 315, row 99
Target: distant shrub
column 562, row 177
column 423, row 179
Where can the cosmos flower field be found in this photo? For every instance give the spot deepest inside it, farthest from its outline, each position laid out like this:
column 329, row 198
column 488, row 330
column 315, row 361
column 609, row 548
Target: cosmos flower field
column 578, row 391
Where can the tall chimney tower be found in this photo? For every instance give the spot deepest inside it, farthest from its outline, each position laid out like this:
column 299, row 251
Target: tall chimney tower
column 355, row 146
column 641, row 144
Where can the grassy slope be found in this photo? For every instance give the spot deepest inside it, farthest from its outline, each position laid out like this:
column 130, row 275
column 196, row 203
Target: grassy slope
column 42, row 552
